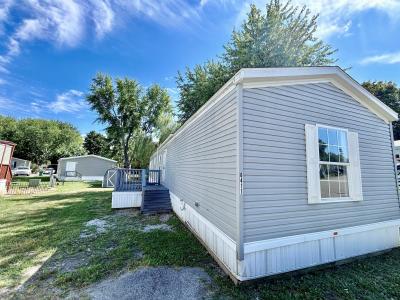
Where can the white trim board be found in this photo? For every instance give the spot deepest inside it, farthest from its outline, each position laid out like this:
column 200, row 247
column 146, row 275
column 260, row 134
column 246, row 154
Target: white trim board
column 284, row 241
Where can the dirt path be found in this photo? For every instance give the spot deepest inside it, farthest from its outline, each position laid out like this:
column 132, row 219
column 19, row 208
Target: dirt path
column 162, row 283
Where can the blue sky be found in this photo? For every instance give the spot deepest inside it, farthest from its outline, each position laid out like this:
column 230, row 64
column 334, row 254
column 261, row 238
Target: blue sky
column 50, row 50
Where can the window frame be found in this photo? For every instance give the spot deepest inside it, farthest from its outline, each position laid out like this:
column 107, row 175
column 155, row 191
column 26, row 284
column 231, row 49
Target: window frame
column 335, row 199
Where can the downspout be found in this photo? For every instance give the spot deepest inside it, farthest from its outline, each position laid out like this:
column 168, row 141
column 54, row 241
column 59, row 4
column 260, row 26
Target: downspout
column 394, row 162
column 240, row 175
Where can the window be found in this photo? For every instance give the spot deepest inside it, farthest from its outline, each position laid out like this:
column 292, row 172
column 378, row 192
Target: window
column 333, row 162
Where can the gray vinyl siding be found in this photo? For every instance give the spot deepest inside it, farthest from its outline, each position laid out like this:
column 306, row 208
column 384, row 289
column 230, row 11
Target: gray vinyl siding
column 275, row 182
column 201, row 164
column 87, row 166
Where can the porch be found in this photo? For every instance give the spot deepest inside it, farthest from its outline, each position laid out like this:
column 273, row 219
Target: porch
column 140, row 188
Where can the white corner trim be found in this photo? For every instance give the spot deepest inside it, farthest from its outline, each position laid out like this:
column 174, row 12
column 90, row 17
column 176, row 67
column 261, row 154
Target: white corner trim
column 296, row 239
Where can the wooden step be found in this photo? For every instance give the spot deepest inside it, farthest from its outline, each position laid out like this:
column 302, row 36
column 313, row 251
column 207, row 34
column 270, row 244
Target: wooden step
column 156, row 199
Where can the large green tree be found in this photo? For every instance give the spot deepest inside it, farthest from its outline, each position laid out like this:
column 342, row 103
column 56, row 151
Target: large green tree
column 125, row 108
column 283, row 36
column 388, row 93
column 41, row 140
column 96, row 143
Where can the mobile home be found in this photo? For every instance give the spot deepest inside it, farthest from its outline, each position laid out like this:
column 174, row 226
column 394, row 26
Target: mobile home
column 85, row 167
column 285, row 169
column 19, row 162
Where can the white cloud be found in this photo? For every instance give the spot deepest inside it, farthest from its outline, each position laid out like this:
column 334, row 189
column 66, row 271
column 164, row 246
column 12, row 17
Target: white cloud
column 334, row 15
column 388, row 58
column 6, row 103
column 166, row 12
column 70, row 101
column 66, row 23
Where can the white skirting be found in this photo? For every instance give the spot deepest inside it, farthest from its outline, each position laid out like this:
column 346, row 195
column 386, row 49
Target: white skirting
column 280, row 255
column 274, row 256
column 218, row 242
column 92, row 178
column 126, row 199
column 83, row 178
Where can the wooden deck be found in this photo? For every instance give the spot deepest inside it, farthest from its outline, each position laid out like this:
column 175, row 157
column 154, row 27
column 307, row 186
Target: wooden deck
column 141, row 188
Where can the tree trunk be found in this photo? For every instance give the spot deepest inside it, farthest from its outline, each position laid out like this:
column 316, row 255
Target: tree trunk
column 127, row 164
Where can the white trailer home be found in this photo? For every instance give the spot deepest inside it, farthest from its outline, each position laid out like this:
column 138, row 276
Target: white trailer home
column 86, row 167
column 284, row 169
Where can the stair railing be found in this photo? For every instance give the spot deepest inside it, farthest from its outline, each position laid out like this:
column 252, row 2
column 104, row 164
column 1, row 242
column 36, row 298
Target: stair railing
column 153, row 177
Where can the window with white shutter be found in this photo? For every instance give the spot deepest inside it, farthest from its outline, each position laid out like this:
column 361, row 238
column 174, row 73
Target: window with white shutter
column 333, row 164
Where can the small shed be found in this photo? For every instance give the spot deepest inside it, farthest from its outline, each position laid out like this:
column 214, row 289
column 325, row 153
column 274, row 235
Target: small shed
column 284, row 169
column 6, row 153
column 19, row 162
column 86, row 167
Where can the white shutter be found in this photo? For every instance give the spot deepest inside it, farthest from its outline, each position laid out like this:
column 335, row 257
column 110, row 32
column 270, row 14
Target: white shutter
column 313, row 186
column 354, row 170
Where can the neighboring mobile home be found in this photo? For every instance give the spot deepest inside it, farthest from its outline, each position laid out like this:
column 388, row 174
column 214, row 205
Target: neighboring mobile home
column 85, row 167
column 19, row 162
column 6, row 154
column 284, row 169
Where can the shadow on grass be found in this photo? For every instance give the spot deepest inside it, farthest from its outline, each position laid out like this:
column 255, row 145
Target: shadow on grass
column 31, row 226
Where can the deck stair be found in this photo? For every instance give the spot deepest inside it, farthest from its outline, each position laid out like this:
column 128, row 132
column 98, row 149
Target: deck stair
column 156, row 199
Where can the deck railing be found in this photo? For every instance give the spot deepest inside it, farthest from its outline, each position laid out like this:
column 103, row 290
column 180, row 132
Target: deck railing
column 132, row 180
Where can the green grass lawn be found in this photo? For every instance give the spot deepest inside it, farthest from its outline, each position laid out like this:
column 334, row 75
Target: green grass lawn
column 41, row 241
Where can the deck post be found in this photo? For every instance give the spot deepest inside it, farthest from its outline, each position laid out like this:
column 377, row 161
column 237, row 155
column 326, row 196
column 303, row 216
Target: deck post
column 143, row 177
column 117, row 180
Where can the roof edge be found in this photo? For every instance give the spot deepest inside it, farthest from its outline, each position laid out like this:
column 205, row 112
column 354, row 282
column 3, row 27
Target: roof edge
column 293, row 75
column 88, row 155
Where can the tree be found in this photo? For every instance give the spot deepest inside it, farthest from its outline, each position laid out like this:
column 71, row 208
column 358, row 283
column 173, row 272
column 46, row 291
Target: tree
column 96, row 143
column 126, row 108
column 166, row 125
column 388, row 93
column 198, row 85
column 40, row 140
column 141, row 147
column 282, row 37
